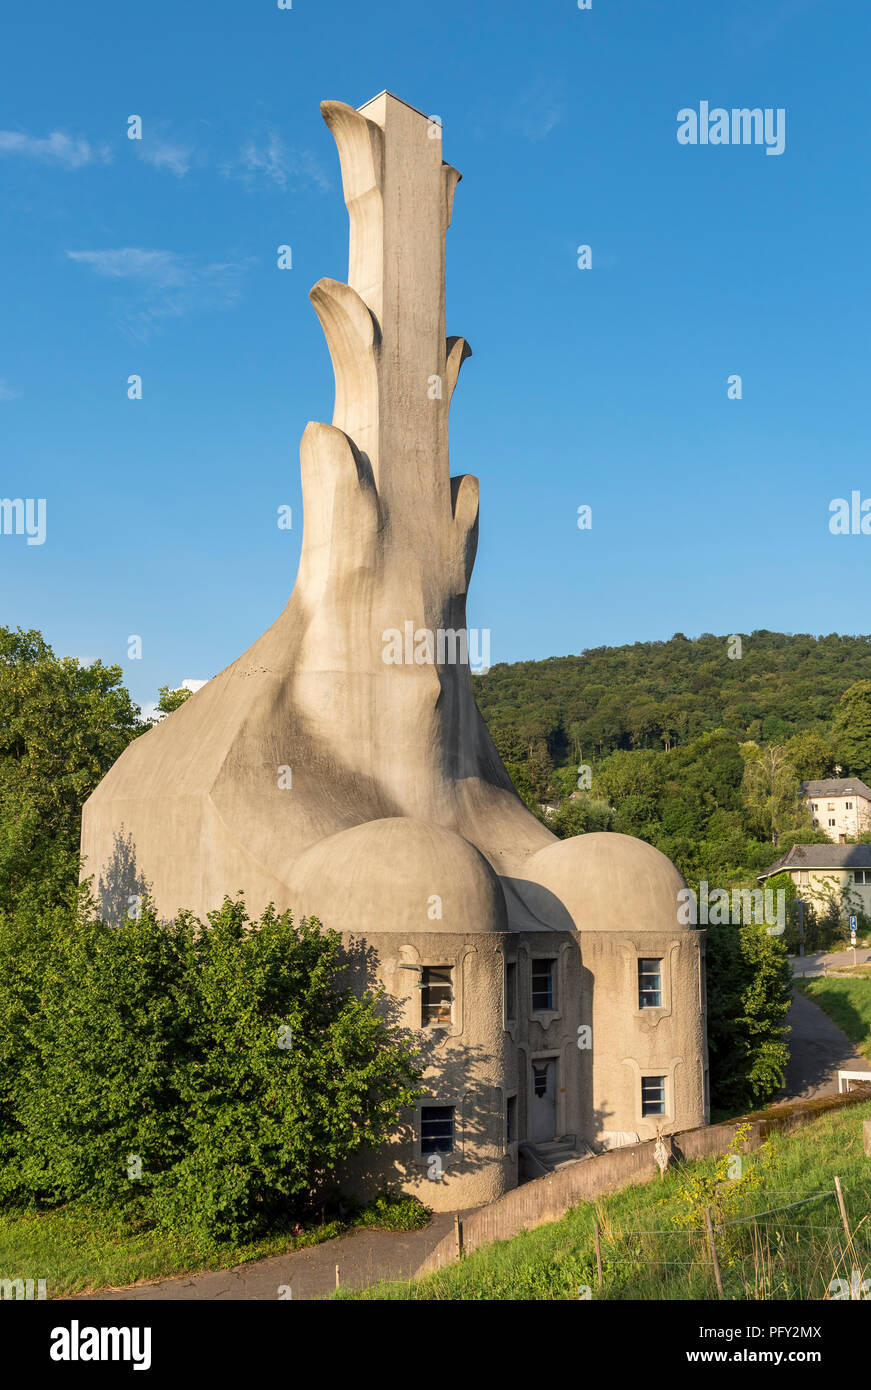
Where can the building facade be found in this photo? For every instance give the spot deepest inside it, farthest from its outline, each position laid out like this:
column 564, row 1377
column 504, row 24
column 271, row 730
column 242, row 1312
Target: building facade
column 821, row 872
column 839, row 806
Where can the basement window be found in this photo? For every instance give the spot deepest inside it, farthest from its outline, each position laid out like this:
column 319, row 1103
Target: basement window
column 653, row 1095
column 437, row 995
column 437, row 1129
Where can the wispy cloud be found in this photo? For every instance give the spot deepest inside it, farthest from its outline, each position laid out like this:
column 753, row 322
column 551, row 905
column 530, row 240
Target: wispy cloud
column 269, row 161
column 163, row 154
column 56, row 148
column 537, row 109
column 164, row 285
column 6, row 391
column 158, row 269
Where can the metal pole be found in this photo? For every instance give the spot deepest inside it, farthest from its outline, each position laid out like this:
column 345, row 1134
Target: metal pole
column 598, row 1257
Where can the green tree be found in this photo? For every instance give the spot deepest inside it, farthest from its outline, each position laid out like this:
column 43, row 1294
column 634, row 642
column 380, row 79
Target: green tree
column 851, row 730
column 209, row 1079
column 62, row 725
column 771, row 793
column 811, row 754
column 749, row 994
column 576, row 817
column 171, row 699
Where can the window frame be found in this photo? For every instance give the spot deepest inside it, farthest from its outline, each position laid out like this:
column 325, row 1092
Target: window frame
column 426, row 985
column 509, row 987
column 550, row 1007
column 652, row 1114
column 430, row 1140
column 641, row 974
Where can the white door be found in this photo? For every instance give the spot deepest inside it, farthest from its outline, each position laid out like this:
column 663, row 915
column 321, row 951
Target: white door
column 543, row 1100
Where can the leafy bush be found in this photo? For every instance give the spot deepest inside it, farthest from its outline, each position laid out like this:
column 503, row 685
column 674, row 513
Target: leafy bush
column 207, row 1079
column 394, row 1211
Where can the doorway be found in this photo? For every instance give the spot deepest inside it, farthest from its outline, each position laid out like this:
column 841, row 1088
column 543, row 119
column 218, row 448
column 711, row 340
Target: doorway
column 542, row 1103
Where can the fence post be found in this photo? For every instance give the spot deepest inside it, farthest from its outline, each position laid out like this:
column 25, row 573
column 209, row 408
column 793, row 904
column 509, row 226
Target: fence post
column 713, row 1249
column 458, row 1227
column 866, row 1132
column 844, row 1221
column 598, row 1257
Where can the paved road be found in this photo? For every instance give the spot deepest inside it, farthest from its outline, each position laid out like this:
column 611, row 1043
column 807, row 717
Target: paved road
column 818, row 1051
column 363, row 1257
column 823, row 960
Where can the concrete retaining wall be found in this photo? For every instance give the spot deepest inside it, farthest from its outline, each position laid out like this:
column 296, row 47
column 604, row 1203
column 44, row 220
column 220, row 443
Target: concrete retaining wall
column 547, row 1199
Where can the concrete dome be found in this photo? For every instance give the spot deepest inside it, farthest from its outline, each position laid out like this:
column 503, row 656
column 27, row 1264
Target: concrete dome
column 603, row 882
column 398, row 875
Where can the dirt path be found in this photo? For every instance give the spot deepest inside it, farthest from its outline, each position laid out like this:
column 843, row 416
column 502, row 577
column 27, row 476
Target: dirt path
column 363, row 1257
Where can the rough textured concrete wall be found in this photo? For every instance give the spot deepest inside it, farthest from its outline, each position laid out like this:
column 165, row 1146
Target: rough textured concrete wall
column 467, row 1066
column 547, row 1199
column 631, row 1042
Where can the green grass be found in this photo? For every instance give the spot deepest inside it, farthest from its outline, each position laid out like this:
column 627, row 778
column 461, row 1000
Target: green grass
column 846, row 998
column 78, row 1250
column 648, row 1254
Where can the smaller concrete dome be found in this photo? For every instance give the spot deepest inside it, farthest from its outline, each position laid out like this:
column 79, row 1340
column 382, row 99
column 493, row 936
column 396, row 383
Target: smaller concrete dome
column 604, row 882
column 397, row 875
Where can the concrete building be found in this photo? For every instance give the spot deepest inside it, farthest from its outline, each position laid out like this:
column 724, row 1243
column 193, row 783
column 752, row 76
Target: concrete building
column 839, row 806
column 340, row 767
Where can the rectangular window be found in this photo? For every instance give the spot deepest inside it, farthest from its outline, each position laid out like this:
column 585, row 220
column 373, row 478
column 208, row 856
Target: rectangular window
column 862, row 875
column 831, row 822
column 653, row 1095
column 542, row 985
column 436, row 998
column 437, row 1129
column 830, row 805
column 816, row 807
column 511, row 1119
column 510, row 990
column 649, row 984
column 803, row 876
column 848, row 805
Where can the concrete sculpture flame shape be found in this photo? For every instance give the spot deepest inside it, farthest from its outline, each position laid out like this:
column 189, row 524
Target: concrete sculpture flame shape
column 397, row 754
column 397, row 821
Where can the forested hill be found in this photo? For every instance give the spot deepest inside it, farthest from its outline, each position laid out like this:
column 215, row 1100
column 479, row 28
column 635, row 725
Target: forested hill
column 658, row 694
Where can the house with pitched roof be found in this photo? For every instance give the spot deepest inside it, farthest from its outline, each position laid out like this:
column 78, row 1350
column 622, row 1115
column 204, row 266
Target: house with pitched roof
column 839, row 806
column 818, row 870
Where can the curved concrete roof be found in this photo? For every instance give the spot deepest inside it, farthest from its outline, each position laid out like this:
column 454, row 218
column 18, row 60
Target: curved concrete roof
column 603, row 882
column 398, row 875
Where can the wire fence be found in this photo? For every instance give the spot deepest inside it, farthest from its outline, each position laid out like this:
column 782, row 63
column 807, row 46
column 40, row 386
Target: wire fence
column 835, row 1249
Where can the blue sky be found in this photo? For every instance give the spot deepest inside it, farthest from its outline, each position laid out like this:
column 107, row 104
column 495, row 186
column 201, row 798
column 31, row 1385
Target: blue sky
column 605, row 387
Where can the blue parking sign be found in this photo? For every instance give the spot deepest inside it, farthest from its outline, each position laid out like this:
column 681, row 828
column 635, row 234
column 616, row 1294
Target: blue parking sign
column 852, row 924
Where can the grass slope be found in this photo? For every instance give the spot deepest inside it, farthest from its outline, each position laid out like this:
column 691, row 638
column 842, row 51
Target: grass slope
column 846, row 998
column 648, row 1253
